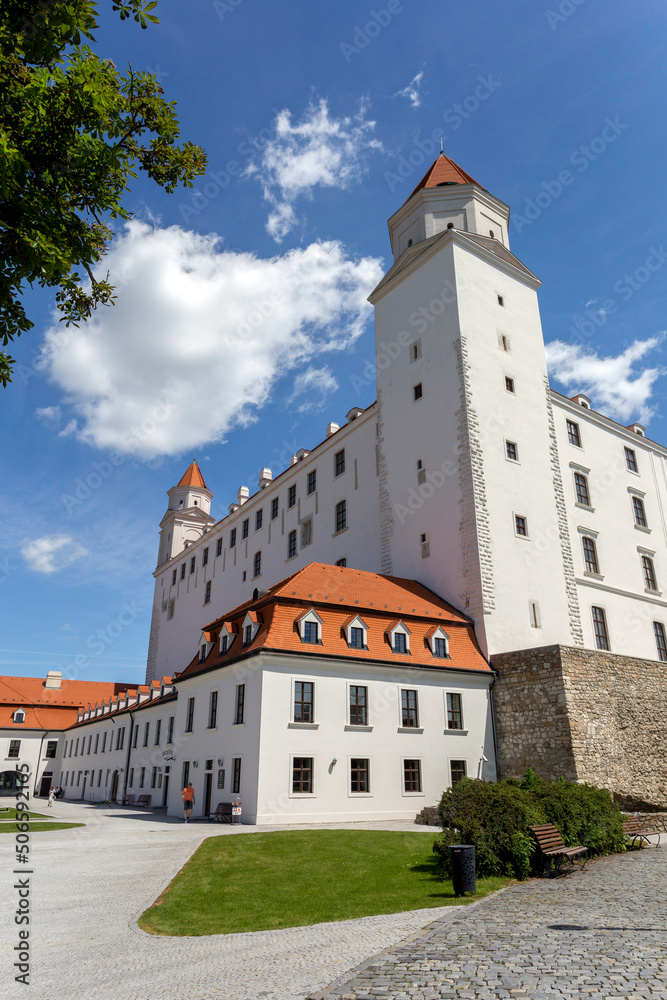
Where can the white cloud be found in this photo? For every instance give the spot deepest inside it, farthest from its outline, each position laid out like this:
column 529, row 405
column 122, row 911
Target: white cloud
column 199, row 335
column 51, row 553
column 315, row 384
column 617, row 387
column 50, row 414
column 318, row 151
column 412, row 91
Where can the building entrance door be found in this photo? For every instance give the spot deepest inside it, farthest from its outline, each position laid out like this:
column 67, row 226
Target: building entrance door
column 45, row 785
column 208, row 782
column 114, row 786
column 165, row 786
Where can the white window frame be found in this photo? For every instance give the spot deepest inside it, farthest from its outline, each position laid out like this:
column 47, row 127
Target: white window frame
column 419, row 728
column 526, row 537
column 303, row 725
column 302, row 795
column 314, row 619
column 456, row 732
column 230, row 639
column 348, row 776
column 399, row 627
column 255, row 629
column 349, row 725
column 358, row 622
column 449, row 768
column 412, row 795
column 439, row 634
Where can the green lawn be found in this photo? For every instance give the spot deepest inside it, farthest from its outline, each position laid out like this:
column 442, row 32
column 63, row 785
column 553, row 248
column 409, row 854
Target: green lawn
column 38, row 822
column 13, row 813
column 262, row 881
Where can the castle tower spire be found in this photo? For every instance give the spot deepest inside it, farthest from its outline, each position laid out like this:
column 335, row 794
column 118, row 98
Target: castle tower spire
column 188, row 515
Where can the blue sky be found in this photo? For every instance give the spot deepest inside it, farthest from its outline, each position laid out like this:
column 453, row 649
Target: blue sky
column 314, row 118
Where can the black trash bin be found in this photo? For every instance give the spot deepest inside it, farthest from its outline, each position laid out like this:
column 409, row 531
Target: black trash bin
column 462, row 857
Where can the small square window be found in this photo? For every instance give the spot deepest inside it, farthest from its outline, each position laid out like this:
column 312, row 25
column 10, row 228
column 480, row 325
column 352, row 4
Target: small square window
column 291, row 496
column 509, row 383
column 521, row 525
column 512, row 451
column 312, row 481
column 274, row 508
column 418, row 391
column 339, row 463
column 245, row 528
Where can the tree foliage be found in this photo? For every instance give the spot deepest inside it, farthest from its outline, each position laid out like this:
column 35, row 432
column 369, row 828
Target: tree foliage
column 73, row 131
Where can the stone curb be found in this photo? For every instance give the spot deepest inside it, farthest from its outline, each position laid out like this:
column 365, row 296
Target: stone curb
column 351, row 974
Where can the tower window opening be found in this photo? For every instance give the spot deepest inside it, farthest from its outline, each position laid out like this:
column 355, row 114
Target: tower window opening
column 492, row 234
column 450, row 225
column 501, row 300
column 409, row 243
column 418, row 391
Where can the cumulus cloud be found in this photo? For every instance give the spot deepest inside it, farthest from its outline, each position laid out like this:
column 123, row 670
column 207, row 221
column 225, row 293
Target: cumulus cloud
column 199, row 335
column 51, row 553
column 49, row 414
column 318, row 151
column 412, row 91
column 311, row 388
column 619, row 388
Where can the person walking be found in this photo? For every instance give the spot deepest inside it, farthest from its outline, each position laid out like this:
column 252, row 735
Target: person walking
column 52, row 795
column 188, row 796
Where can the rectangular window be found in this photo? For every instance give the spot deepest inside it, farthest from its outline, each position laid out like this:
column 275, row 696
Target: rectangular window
column 339, row 462
column 291, row 496
column 631, row 460
column 257, row 564
column 204, row 557
column 439, row 647
column 521, row 525
column 357, row 638
column 409, row 717
column 245, row 528
column 291, row 544
column 189, row 722
column 97, row 742
column 183, row 571
column 121, row 738
column 142, row 777
column 207, row 593
column 224, row 643
column 193, row 562
column 312, row 483
column 309, row 632
column 359, row 775
column 581, row 486
column 341, row 515
column 236, row 775
column 412, row 775
column 509, row 383
column 512, row 451
column 221, row 778
column 52, row 747
column 274, row 508
column 600, row 628
column 660, row 641
column 76, row 749
column 232, row 538
column 239, row 713
column 418, row 391
column 213, row 710
column 90, row 740
column 186, row 773
column 146, row 730
column 259, row 517
column 306, row 532
column 358, row 705
column 158, row 728
column 218, row 547
column 341, row 562
column 457, row 770
column 302, row 775
column 303, row 701
column 573, row 435
column 400, row 642
column 649, row 573
column 639, row 512
column 14, row 748
column 173, row 577
column 104, row 741
column 154, row 778
column 590, row 555
column 247, row 636
column 130, row 781
column 170, row 730
column 454, row 711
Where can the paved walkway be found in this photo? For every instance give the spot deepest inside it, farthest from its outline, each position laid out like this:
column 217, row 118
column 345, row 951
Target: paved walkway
column 599, row 933
column 90, row 885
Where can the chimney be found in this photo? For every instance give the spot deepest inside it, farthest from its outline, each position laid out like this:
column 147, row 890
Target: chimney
column 265, row 478
column 331, row 429
column 54, row 679
column 242, row 495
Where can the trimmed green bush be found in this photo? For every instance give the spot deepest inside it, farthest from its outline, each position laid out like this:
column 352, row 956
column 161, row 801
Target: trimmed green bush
column 496, row 816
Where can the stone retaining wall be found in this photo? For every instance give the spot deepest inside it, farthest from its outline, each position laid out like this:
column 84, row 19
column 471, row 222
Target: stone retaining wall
column 586, row 715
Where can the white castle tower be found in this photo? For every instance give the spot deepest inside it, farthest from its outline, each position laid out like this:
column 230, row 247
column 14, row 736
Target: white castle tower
column 469, row 472
column 188, row 514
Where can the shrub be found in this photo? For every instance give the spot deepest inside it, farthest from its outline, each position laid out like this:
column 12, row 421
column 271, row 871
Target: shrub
column 495, row 817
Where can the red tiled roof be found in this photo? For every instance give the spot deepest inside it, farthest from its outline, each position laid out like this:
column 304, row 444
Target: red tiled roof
column 336, row 591
column 444, row 171
column 193, row 476
column 49, row 708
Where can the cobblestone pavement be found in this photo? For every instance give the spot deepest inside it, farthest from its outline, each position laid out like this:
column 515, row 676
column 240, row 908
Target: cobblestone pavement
column 90, row 885
column 597, row 933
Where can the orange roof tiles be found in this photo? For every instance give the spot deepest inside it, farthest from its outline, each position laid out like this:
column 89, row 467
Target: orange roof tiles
column 335, row 591
column 49, row 708
column 444, row 171
column 193, row 476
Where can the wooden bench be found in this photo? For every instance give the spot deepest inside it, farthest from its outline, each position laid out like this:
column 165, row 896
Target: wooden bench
column 222, row 814
column 143, row 802
column 634, row 830
column 551, row 845
column 128, row 800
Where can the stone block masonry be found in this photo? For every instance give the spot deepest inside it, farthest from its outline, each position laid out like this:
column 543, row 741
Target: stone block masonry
column 586, row 715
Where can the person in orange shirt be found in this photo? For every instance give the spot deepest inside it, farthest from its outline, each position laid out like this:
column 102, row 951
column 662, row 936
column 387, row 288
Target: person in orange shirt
column 188, row 796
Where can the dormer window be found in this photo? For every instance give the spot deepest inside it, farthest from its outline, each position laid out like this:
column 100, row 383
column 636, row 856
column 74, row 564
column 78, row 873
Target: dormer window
column 205, row 647
column 227, row 637
column 247, row 635
column 19, row 716
column 310, row 627
column 438, row 640
column 399, row 637
column 356, row 632
column 250, row 628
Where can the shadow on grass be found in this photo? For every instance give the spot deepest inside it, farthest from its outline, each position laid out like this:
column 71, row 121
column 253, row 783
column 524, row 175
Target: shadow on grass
column 431, row 869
